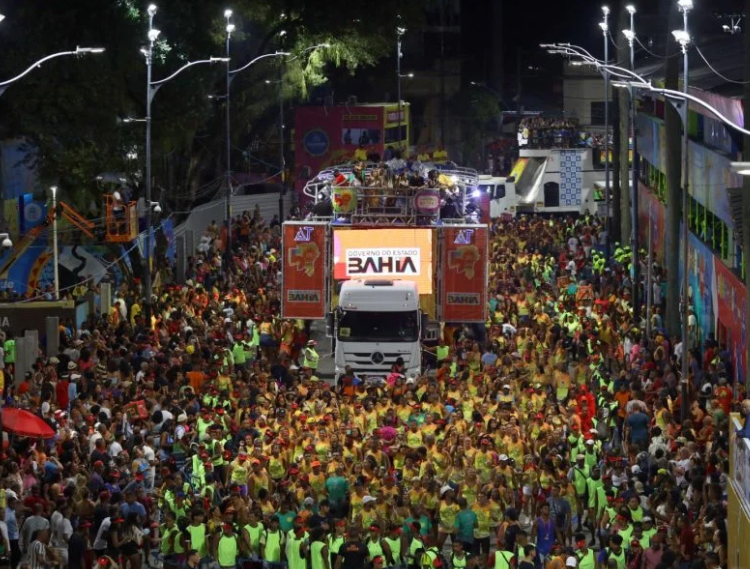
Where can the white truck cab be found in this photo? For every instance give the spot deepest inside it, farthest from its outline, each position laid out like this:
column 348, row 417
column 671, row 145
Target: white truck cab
column 502, row 194
column 377, row 322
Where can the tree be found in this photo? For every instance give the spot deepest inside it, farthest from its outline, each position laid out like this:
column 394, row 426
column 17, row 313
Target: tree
column 68, row 111
column 478, row 110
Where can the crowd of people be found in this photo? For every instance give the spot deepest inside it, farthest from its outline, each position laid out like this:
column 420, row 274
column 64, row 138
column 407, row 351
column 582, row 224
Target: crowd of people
column 548, row 132
column 552, row 437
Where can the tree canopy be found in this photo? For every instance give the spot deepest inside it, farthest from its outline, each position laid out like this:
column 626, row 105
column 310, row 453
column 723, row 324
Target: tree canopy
column 68, row 111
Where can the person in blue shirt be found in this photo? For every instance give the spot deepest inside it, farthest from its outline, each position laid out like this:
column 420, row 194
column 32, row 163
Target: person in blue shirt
column 744, row 432
column 12, row 522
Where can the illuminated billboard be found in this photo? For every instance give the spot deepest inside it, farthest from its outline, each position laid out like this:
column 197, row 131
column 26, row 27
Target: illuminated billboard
column 403, row 254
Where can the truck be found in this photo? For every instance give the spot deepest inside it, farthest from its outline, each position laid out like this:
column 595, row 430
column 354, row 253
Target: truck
column 386, row 265
column 545, row 181
column 375, row 323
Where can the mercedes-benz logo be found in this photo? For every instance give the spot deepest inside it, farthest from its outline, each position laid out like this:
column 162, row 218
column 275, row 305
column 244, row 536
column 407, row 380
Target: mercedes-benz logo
column 377, row 358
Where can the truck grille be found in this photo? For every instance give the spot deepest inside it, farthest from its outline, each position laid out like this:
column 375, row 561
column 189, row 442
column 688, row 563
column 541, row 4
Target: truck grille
column 371, row 362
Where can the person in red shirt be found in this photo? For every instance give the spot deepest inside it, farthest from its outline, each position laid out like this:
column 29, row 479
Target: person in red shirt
column 723, row 395
column 61, row 391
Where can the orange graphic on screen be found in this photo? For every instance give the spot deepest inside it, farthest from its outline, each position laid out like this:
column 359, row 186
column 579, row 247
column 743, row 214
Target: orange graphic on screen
column 303, row 256
column 463, row 260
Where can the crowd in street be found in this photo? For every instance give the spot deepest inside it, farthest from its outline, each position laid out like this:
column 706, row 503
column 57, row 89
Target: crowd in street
column 552, row 437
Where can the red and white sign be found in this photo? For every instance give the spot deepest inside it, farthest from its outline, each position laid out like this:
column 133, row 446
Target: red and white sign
column 464, row 258
column 303, row 283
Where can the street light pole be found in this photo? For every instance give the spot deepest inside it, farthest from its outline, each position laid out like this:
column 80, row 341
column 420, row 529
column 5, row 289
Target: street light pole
column 683, row 38
column 400, row 32
column 634, row 237
column 152, row 87
column 5, row 84
column 605, row 28
column 54, row 242
column 153, row 34
column 282, row 162
column 228, row 199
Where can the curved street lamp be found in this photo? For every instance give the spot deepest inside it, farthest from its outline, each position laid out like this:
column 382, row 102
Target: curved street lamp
column 77, row 52
column 230, row 76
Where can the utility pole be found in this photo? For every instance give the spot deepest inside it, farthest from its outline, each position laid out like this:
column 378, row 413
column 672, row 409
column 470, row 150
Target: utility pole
column 229, row 29
column 673, row 171
column 607, row 187
column 625, row 217
column 282, row 162
column 634, row 237
column 519, row 85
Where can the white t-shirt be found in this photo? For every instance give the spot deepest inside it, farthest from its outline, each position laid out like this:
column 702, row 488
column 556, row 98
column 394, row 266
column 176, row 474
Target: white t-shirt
column 99, row 542
column 150, row 456
column 115, row 449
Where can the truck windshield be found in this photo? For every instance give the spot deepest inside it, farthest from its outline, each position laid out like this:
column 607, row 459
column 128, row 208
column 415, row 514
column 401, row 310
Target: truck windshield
column 378, row 327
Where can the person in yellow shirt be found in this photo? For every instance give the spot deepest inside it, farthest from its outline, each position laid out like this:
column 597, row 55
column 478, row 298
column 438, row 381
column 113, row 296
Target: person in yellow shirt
column 440, row 156
column 360, row 154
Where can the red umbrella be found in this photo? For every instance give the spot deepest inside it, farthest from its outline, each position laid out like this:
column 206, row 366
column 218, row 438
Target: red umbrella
column 25, row 424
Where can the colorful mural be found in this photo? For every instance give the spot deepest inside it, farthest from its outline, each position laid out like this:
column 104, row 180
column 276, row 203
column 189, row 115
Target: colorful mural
column 702, row 286
column 650, row 209
column 732, row 317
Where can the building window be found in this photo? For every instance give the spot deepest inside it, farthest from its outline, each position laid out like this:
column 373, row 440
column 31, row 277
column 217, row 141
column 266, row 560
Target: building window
column 597, row 113
column 551, row 194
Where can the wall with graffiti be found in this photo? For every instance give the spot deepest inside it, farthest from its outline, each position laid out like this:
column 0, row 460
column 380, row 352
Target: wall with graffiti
column 651, row 210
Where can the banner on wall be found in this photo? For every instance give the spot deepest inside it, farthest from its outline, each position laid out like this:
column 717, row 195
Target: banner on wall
column 303, row 282
column 702, row 287
column 651, row 210
column 463, row 297
column 731, row 297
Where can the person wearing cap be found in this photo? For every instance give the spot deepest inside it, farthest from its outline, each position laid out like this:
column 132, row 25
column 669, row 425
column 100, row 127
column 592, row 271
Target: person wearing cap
column 376, row 546
column 335, row 539
column 448, row 510
column 227, row 547
column 239, row 472
column 585, row 556
column 578, row 475
column 78, row 545
column 297, row 545
column 311, row 357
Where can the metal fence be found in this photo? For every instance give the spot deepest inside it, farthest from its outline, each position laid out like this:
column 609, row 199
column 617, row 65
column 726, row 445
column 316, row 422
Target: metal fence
column 202, row 216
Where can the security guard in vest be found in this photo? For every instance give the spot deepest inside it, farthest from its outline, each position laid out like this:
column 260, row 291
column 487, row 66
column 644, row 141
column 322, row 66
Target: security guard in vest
column 227, row 547
column 616, row 552
column 503, row 559
column 311, row 356
column 586, row 557
column 459, row 558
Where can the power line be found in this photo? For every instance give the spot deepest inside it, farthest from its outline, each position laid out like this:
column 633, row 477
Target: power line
column 727, row 79
column 652, row 54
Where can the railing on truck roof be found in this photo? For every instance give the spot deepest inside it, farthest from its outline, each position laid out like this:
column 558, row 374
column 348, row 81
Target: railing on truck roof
column 405, row 200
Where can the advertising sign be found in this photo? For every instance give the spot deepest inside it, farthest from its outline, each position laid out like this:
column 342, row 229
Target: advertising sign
column 403, row 254
column 732, row 316
column 464, row 293
column 427, row 201
column 303, row 286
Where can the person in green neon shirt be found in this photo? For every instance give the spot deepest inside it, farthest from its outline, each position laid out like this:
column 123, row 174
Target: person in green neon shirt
column 319, row 555
column 227, row 547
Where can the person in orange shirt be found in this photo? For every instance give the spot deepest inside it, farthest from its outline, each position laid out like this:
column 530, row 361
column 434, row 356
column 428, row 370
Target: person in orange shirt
column 622, row 397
